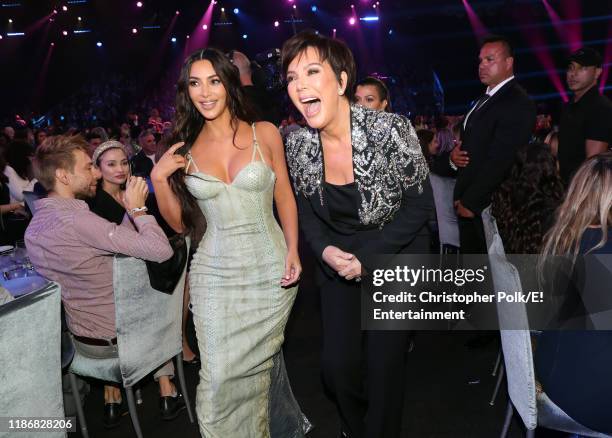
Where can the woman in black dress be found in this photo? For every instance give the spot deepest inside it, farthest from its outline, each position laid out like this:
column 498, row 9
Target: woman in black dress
column 362, row 189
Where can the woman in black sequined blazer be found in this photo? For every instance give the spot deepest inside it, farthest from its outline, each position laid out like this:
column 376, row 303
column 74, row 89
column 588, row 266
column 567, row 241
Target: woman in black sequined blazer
column 362, row 189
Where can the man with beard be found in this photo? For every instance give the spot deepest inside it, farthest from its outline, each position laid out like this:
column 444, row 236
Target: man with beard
column 73, row 246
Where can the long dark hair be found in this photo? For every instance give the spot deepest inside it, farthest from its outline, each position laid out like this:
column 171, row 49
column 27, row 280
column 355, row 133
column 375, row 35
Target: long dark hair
column 188, row 123
column 525, row 203
column 18, row 155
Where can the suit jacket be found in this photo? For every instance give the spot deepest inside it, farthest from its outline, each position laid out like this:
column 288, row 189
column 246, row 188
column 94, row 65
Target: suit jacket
column 392, row 179
column 492, row 136
column 141, row 165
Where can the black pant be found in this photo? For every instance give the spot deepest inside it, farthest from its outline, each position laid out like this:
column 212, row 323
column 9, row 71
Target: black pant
column 472, row 236
column 365, row 370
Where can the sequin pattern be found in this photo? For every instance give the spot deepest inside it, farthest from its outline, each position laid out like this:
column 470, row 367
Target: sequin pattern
column 387, row 160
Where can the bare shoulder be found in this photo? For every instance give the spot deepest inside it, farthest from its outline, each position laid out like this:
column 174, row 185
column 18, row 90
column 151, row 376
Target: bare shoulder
column 269, row 137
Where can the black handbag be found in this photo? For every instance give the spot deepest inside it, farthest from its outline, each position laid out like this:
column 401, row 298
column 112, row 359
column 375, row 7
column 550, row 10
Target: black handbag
column 165, row 276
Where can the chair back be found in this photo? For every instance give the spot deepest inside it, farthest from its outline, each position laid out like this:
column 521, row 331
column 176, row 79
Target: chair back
column 29, row 198
column 448, row 228
column 149, row 331
column 31, row 374
column 516, row 344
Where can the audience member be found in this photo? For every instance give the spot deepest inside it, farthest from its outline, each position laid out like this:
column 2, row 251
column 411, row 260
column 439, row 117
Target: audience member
column 18, row 169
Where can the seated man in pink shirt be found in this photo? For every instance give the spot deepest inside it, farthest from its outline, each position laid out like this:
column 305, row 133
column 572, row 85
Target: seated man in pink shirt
column 69, row 244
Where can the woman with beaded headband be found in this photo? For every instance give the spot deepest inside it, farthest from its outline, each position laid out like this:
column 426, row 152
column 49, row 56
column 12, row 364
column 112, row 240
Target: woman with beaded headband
column 362, row 190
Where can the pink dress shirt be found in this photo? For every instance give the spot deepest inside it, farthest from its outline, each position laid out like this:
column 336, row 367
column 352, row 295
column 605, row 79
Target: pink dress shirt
column 69, row 244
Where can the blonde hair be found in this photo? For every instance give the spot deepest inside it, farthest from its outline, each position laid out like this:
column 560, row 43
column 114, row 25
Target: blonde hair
column 588, row 202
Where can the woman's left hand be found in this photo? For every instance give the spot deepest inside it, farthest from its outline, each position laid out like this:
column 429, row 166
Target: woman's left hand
column 352, row 271
column 293, row 269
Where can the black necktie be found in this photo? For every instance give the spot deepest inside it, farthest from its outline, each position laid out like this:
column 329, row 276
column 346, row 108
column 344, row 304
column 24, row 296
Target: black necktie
column 480, row 102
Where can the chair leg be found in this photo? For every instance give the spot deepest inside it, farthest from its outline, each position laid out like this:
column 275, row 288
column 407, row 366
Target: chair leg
column 500, row 378
column 79, row 406
column 129, row 391
column 507, row 420
column 181, row 376
column 530, row 433
column 497, row 363
column 138, row 394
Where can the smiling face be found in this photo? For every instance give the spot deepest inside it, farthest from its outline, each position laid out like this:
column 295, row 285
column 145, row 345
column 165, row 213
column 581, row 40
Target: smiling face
column 82, row 180
column 114, row 166
column 368, row 96
column 206, row 91
column 314, row 88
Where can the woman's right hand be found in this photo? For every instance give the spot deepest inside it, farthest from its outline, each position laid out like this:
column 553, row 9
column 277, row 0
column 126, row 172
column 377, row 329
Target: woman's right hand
column 336, row 258
column 168, row 163
column 136, row 193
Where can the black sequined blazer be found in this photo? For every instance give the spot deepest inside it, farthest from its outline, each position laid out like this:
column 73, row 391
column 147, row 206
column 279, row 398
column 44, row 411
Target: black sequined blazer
column 391, row 176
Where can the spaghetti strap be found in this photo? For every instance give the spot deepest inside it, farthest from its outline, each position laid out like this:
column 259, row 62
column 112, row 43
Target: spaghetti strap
column 191, row 161
column 256, row 147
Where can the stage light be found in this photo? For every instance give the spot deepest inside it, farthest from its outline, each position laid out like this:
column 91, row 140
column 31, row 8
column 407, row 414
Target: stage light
column 276, row 24
column 134, row 30
column 370, row 18
column 222, row 9
column 61, row 117
column 173, row 39
column 178, row 12
column 79, row 18
column 374, row 6
column 10, row 20
column 64, row 8
column 99, row 44
column 1, row 37
column 52, row 44
column 139, row 4
column 236, row 11
column 65, row 32
column 313, row 8
column 390, row 31
column 352, row 6
column 205, row 27
column 352, row 21
column 187, row 36
column 244, row 36
column 294, row 7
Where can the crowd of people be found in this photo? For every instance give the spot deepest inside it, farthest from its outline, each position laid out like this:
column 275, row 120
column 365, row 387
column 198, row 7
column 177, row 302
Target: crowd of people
column 357, row 180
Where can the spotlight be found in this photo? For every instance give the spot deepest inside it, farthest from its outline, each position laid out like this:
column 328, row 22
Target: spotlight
column 55, row 11
column 222, row 9
column 352, row 6
column 139, row 4
column 276, row 24
column 173, row 39
column 178, row 12
column 236, row 11
column 10, row 20
column 52, row 44
column 390, row 31
column 205, row 26
column 64, row 8
column 79, row 18
column 134, row 30
column 244, row 36
column 1, row 37
column 374, row 6
column 294, row 7
column 352, row 21
column 187, row 36
column 65, row 32
column 313, row 8
column 99, row 44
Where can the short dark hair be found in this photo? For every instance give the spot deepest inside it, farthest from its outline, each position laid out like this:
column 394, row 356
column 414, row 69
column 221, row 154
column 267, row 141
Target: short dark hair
column 56, row 153
column 332, row 50
column 93, row 134
column 499, row 39
column 381, row 87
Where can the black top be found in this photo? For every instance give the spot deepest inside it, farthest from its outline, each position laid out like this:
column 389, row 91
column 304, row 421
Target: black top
column 588, row 119
column 141, row 165
column 574, row 366
column 343, row 204
column 5, row 195
column 105, row 206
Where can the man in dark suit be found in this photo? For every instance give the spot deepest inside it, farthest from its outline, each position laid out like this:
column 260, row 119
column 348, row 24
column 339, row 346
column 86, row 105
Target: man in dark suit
column 142, row 163
column 499, row 122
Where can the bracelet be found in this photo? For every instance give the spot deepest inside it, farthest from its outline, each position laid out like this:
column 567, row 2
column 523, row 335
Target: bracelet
column 452, row 165
column 133, row 211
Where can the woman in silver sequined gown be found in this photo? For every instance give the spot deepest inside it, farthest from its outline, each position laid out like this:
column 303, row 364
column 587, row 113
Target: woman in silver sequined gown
column 244, row 272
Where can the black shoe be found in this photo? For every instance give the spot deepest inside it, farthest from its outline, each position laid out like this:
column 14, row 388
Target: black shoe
column 170, row 407
column 112, row 414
